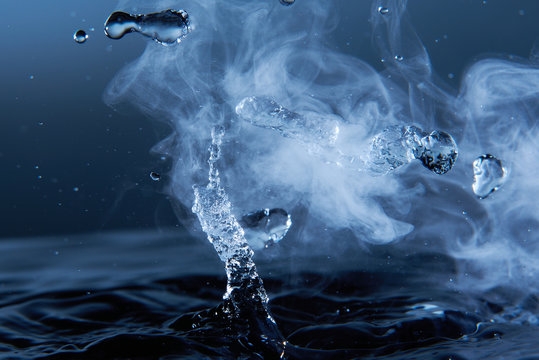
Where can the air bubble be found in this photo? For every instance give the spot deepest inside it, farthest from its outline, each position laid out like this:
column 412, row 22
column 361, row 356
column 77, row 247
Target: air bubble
column 488, row 174
column 80, row 36
column 166, row 27
column 265, row 227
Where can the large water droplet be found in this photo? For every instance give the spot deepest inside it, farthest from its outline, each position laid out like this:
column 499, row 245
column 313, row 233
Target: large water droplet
column 383, row 10
column 266, row 227
column 393, row 147
column 166, row 27
column 287, row 2
column 438, row 152
column 80, row 36
column 488, row 175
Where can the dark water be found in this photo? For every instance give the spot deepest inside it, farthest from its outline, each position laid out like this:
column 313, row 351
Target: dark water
column 159, row 296
column 125, row 282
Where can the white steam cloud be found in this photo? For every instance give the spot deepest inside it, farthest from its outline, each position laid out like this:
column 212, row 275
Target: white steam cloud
column 260, row 48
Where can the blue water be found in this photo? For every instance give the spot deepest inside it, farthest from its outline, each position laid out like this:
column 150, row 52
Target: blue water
column 98, row 261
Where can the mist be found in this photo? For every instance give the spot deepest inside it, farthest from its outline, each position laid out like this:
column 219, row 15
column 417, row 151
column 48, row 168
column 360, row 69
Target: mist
column 238, row 49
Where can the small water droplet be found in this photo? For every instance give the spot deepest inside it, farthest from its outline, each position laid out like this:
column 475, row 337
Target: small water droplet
column 75, row 189
column 451, row 76
column 489, row 175
column 521, row 12
column 383, row 10
column 31, row 77
column 155, row 176
column 287, row 2
column 80, row 36
column 399, row 57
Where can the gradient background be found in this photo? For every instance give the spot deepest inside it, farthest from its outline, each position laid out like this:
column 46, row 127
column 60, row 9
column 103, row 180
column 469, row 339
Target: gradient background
column 57, row 121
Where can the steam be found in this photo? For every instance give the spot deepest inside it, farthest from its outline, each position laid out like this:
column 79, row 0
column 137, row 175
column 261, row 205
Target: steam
column 239, row 49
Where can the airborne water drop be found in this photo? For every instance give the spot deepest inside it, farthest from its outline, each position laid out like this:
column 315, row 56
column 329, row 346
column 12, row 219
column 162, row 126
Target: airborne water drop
column 80, row 36
column 155, row 176
column 488, row 174
column 383, row 10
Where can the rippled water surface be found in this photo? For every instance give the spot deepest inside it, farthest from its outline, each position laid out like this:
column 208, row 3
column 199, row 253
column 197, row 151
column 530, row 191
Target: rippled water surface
column 131, row 296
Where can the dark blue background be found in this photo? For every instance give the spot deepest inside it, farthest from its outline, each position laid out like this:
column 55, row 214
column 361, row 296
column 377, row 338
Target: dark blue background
column 53, row 116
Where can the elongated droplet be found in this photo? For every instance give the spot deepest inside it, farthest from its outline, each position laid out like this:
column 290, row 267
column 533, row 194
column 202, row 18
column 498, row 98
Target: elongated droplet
column 166, row 27
column 315, row 130
column 488, row 175
column 80, row 36
column 155, row 176
column 266, row 227
column 383, row 10
column 438, row 152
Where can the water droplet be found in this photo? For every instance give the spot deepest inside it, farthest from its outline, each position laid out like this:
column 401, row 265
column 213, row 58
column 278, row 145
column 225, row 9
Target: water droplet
column 451, row 76
column 399, row 57
column 80, row 36
column 383, row 10
column 266, row 227
column 488, row 174
column 287, row 2
column 438, row 152
column 521, row 12
column 75, row 189
column 393, row 147
column 31, row 77
column 155, row 176
column 166, row 27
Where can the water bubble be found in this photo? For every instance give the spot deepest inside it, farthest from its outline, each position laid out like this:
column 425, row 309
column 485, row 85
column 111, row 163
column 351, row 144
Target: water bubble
column 155, row 176
column 287, row 2
column 383, row 10
column 80, row 36
column 438, row 152
column 166, row 27
column 266, row 227
column 488, row 174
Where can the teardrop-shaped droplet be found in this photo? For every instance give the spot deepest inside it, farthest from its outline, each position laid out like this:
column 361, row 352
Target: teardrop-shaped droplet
column 488, row 175
column 80, row 36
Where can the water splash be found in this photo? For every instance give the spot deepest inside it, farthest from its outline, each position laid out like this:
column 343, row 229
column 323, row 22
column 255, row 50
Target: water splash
column 266, row 227
column 488, row 175
column 166, row 27
column 245, row 296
